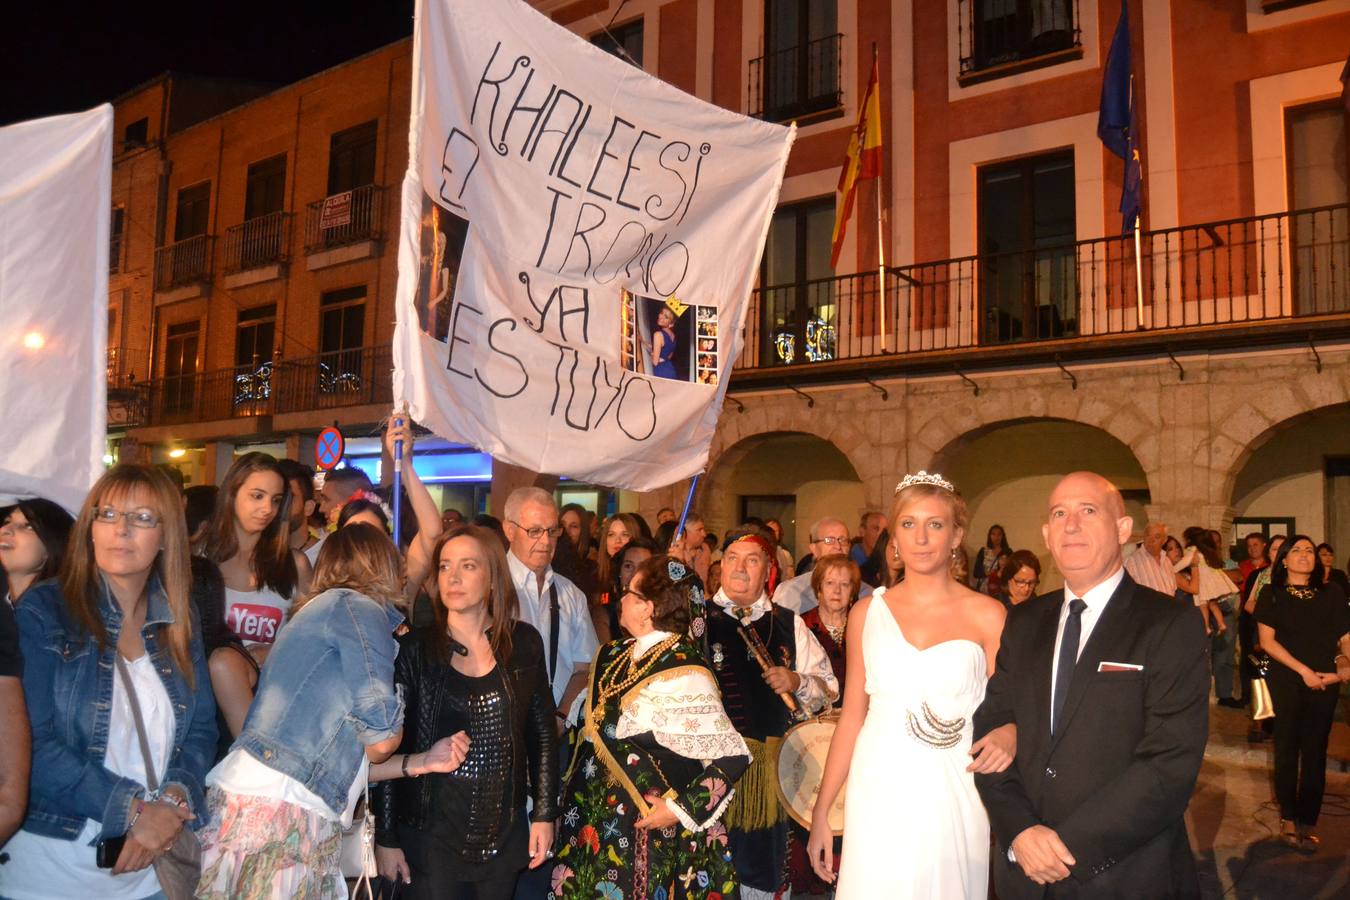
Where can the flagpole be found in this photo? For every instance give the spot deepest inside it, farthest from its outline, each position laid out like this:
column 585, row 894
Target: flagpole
column 1138, row 236
column 881, row 233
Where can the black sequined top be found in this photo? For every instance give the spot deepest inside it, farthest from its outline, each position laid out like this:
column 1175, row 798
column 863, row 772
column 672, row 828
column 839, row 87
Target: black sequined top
column 467, row 808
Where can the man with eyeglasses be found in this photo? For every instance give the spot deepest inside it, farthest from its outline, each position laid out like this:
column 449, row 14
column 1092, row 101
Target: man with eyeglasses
column 829, row 537
column 553, row 605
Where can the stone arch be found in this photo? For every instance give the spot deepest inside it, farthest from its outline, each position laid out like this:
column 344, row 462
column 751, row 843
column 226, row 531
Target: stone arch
column 1244, row 434
column 718, row 496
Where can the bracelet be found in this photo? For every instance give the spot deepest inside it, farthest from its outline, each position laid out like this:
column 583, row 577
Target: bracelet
column 406, row 773
column 140, row 808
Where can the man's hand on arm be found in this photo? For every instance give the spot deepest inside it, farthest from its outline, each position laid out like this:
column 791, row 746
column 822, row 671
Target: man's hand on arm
column 1042, row 855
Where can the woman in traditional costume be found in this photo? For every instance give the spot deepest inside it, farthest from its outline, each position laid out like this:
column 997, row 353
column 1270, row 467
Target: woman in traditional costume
column 641, row 807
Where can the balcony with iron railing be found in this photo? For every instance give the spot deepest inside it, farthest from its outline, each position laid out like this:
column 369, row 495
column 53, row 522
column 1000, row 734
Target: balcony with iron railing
column 1003, row 37
column 798, row 82
column 1240, row 281
column 344, row 218
column 257, row 243
column 342, row 378
column 184, row 263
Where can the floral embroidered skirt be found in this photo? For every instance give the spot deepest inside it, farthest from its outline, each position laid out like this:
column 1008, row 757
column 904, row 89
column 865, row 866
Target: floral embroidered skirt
column 260, row 849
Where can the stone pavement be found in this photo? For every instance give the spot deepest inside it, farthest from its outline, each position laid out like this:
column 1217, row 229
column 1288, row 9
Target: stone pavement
column 1233, row 821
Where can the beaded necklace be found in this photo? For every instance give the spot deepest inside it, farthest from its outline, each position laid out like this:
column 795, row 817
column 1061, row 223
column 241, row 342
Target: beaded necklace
column 614, row 682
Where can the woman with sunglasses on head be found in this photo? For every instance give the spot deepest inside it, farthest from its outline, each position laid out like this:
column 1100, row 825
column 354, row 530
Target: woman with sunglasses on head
column 1303, row 624
column 33, row 536
column 113, row 665
column 476, row 677
column 248, row 538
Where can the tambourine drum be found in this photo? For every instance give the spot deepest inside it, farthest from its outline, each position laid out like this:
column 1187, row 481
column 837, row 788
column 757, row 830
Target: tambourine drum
column 801, row 766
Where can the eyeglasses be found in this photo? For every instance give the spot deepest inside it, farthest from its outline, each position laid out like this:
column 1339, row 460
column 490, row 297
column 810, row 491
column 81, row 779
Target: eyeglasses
column 830, row 541
column 1026, row 582
column 137, row 518
column 634, row 593
column 539, row 531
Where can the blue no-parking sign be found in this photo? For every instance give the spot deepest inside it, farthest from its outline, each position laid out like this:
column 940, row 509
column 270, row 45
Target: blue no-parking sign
column 328, row 449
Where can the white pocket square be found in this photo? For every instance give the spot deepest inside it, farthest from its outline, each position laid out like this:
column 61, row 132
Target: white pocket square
column 1118, row 667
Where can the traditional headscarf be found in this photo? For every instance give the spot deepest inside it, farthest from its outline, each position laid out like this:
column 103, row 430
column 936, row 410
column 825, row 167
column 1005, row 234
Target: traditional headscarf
column 689, row 584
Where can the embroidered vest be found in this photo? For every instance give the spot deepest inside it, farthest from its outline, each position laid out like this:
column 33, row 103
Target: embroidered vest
column 755, row 710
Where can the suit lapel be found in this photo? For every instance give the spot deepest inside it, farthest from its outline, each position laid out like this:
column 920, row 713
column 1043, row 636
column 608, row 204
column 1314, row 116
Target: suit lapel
column 1104, row 635
column 1043, row 644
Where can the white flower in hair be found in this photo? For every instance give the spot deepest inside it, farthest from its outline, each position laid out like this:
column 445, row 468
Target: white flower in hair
column 924, row 478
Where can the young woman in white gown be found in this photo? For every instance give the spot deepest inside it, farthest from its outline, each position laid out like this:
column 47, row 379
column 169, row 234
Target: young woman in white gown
column 924, row 649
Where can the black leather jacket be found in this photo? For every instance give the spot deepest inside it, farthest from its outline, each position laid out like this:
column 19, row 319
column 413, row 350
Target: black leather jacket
column 406, row 801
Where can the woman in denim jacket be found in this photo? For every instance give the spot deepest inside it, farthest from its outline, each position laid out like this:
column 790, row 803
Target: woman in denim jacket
column 123, row 590
column 325, row 709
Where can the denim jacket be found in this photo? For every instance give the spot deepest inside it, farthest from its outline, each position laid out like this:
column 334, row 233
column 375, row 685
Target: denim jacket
column 68, row 686
column 326, row 691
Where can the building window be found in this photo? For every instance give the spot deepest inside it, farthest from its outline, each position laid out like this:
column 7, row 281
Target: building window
column 115, row 229
column 193, row 214
column 342, row 327
column 180, row 366
column 624, row 41
column 136, row 135
column 1318, row 191
column 265, row 189
column 253, row 342
column 798, row 309
column 1027, row 235
column 799, row 74
column 1002, row 37
column 1270, row 6
column 351, row 158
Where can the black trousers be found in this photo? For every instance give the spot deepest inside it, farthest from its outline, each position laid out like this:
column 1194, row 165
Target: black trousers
column 438, row 875
column 1303, row 720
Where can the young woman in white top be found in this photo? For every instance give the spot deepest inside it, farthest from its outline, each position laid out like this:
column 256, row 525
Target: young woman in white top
column 248, row 538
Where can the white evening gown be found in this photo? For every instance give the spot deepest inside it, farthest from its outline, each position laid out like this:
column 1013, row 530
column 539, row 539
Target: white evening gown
column 914, row 826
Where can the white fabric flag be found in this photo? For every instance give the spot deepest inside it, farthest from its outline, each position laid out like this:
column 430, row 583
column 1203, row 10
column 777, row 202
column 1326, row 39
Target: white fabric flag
column 578, row 247
column 55, row 202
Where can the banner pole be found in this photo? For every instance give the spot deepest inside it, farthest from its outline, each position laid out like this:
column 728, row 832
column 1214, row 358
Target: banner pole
column 881, row 232
column 398, row 485
column 688, row 502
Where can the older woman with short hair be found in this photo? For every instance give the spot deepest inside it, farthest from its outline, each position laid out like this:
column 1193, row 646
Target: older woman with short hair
column 1022, row 576
column 836, row 582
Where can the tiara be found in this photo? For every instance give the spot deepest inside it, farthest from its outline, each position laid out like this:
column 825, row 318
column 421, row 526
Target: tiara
column 924, row 478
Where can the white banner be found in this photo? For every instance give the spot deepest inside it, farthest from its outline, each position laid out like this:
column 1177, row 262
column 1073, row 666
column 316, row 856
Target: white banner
column 578, row 247
column 55, row 203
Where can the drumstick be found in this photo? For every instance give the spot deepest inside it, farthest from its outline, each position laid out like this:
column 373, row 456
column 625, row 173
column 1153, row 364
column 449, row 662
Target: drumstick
column 761, row 654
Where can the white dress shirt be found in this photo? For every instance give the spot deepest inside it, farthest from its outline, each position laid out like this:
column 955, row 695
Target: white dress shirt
column 796, row 594
column 577, row 642
column 819, row 687
column 1096, row 600
column 1152, row 572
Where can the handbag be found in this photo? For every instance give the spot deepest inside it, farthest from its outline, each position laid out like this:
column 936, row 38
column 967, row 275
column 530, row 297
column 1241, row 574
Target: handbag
column 180, row 867
column 357, row 856
column 1263, row 707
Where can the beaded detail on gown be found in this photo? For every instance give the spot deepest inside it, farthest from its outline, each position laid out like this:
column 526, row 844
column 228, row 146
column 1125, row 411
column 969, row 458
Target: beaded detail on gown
column 914, row 826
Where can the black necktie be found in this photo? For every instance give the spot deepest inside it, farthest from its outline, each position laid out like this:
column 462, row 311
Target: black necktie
column 1068, row 658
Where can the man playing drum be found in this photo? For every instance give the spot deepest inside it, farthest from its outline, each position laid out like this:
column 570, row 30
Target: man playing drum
column 771, row 670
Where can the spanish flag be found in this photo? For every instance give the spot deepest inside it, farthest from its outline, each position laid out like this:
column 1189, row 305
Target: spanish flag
column 863, row 160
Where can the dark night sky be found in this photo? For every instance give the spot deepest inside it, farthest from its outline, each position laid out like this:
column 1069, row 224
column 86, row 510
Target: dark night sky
column 60, row 56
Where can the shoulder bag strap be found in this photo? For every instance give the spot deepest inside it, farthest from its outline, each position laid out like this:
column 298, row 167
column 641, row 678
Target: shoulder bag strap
column 151, row 781
column 552, row 631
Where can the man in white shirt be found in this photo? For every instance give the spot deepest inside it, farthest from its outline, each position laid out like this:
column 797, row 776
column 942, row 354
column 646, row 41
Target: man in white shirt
column 531, row 525
column 829, row 537
column 1149, row 565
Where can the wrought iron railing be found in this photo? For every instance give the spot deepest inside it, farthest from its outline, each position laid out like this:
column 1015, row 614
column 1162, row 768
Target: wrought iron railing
column 185, row 262
column 798, row 81
column 1009, row 35
column 1255, row 269
column 343, row 378
column 344, row 218
column 260, row 241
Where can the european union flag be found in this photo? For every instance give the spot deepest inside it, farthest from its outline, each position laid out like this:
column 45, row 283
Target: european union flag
column 1116, row 123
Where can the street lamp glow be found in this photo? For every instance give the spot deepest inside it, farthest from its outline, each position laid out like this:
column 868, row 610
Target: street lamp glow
column 34, row 340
